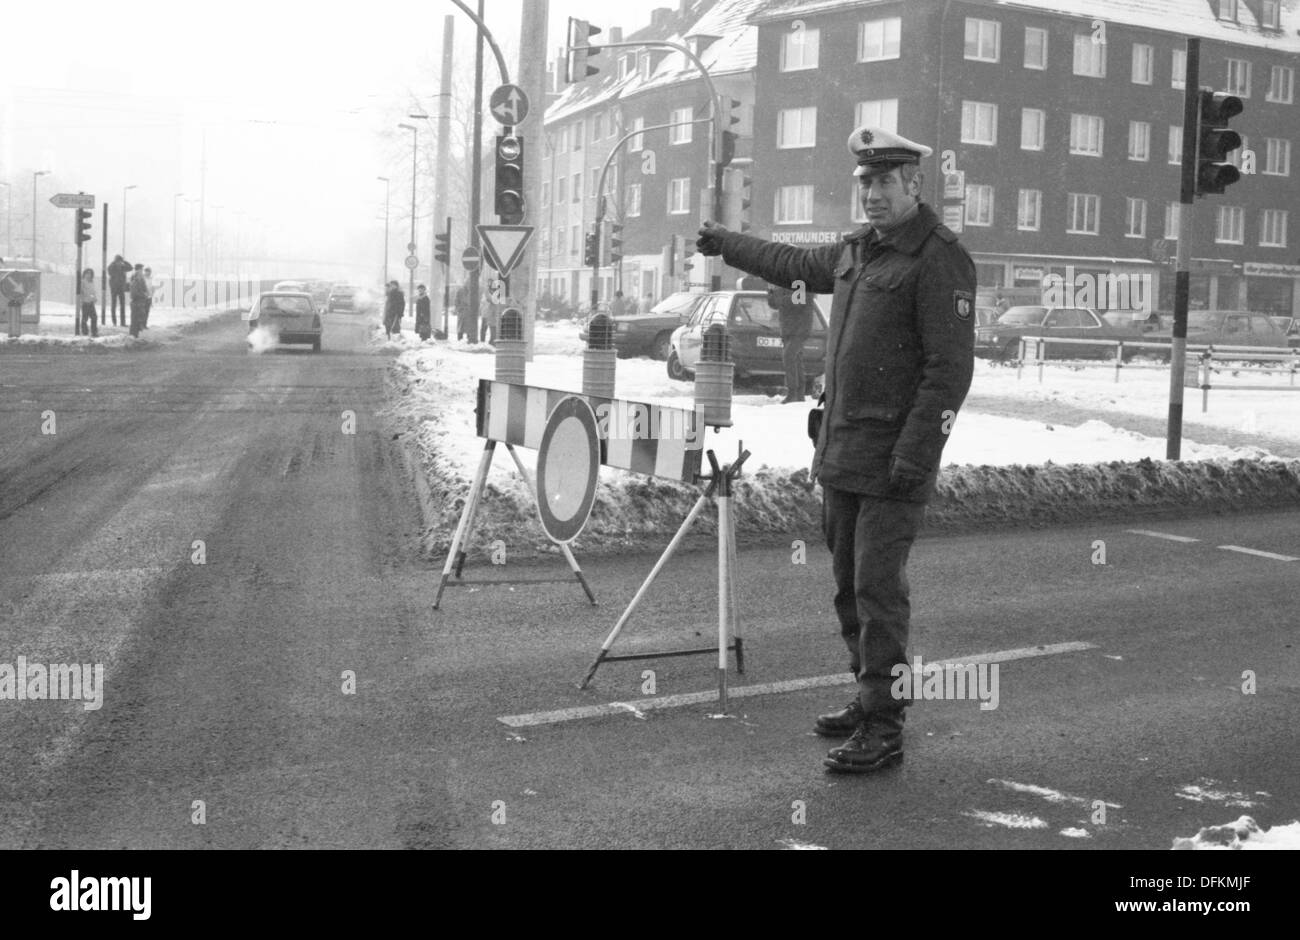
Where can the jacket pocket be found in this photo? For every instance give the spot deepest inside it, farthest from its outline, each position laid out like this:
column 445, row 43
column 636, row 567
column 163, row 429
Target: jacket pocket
column 861, row 411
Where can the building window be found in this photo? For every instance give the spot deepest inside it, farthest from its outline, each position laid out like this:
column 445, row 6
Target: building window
column 1178, row 69
column 594, row 191
column 637, row 144
column 559, row 191
column 682, row 134
column 595, row 127
column 1086, row 134
column 1089, row 56
column 643, row 65
column 1085, row 213
column 575, row 239
column 1139, row 140
column 576, row 185
column 1228, row 10
column 1238, row 78
column 1143, row 61
column 1033, row 124
column 979, row 123
column 879, row 39
column 979, row 205
column 1176, row 144
column 1035, row 48
column 1277, row 156
column 575, row 136
column 983, row 40
column 794, row 204
column 624, row 66
column 800, row 49
column 546, row 192
column 796, row 127
column 633, row 200
column 1272, row 228
column 1029, row 214
column 1172, row 212
column 1270, row 14
column 679, row 196
column 882, row 113
column 1235, row 156
column 1232, row 225
column 1281, row 84
column 1137, row 218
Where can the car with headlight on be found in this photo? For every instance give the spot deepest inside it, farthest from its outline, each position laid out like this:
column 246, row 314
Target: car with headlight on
column 287, row 317
column 343, row 299
column 650, row 334
column 754, row 329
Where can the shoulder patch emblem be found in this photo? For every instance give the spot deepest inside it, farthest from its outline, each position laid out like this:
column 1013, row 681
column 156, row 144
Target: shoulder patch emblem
column 963, row 302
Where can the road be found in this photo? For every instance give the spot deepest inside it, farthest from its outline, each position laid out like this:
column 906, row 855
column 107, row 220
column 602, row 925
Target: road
column 234, row 538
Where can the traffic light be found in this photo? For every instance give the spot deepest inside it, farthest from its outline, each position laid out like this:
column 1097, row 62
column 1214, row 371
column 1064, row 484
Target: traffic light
column 615, row 243
column 83, row 225
column 727, row 117
column 510, row 179
column 591, row 257
column 580, row 50
column 738, row 199
column 442, row 247
column 1215, row 140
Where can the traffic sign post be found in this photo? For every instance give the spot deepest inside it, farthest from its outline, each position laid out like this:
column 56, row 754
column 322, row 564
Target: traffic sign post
column 504, row 245
column 412, row 262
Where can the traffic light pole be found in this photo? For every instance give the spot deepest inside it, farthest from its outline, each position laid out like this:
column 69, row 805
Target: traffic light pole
column 1182, row 277
column 600, row 189
column 76, row 290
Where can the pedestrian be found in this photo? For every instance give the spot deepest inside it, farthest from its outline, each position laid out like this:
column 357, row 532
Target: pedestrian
column 647, row 302
column 796, row 316
column 89, row 320
column 1001, row 304
column 139, row 290
column 423, row 312
column 393, row 308
column 462, row 311
column 618, row 307
column 117, row 274
column 148, row 304
column 490, row 314
column 898, row 366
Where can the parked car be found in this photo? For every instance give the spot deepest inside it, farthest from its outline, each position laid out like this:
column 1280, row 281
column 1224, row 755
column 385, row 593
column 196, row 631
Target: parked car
column 1001, row 340
column 320, row 293
column 755, row 331
column 291, row 316
column 650, row 334
column 296, row 286
column 1225, row 328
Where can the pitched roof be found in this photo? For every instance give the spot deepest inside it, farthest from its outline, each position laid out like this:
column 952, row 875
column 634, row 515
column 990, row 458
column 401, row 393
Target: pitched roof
column 1195, row 18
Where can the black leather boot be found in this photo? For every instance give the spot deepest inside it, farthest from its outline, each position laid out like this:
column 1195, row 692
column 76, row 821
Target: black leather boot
column 840, row 724
column 876, row 743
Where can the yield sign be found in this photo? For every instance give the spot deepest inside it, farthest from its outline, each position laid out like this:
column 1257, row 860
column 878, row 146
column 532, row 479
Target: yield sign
column 503, row 245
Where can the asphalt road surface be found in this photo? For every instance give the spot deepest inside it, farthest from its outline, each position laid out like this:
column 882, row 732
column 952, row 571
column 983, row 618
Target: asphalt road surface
column 234, row 537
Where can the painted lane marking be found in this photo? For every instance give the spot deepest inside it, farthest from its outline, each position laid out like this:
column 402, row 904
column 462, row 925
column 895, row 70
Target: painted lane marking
column 1161, row 535
column 581, row 712
column 1258, row 553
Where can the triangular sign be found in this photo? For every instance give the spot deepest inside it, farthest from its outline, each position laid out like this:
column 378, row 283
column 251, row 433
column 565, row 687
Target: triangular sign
column 503, row 245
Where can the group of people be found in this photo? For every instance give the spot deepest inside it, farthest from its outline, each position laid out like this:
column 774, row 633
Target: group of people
column 483, row 328
column 395, row 306
column 138, row 286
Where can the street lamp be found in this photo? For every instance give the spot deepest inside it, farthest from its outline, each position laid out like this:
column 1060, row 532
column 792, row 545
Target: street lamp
column 34, row 176
column 174, row 198
column 124, row 189
column 191, row 203
column 433, row 216
column 410, row 295
column 9, row 218
column 388, row 187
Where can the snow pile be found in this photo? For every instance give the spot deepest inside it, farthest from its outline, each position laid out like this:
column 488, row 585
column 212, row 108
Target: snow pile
column 1243, row 833
column 57, row 328
column 998, row 468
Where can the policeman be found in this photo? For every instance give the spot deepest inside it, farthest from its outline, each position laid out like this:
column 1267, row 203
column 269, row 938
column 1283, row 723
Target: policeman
column 899, row 359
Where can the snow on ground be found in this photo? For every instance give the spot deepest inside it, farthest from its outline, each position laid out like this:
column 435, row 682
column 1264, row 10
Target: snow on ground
column 1003, row 467
column 1243, row 833
column 57, row 327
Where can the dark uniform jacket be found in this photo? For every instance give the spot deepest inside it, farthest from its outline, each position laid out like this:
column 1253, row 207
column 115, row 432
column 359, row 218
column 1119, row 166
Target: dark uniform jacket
column 139, row 289
column 117, row 274
column 900, row 351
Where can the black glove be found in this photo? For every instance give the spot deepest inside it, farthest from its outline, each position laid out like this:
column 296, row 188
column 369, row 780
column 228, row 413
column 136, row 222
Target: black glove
column 708, row 241
column 905, row 477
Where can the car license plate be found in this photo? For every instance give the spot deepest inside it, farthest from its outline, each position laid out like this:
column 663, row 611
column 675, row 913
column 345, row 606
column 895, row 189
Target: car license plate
column 772, row 341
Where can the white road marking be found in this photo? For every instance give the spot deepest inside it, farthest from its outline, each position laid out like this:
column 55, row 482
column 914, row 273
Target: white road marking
column 1161, row 535
column 580, row 712
column 1052, row 796
column 1009, row 820
column 1255, row 551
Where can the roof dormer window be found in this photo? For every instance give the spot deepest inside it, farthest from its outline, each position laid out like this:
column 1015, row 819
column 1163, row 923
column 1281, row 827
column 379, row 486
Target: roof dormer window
column 1228, row 10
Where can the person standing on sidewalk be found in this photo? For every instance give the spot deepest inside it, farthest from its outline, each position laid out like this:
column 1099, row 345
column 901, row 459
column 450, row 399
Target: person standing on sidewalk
column 118, row 270
column 89, row 296
column 139, row 290
column 796, row 326
column 148, row 304
column 423, row 312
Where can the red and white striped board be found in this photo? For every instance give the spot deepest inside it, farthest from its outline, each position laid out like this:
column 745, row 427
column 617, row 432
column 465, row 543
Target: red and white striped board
column 655, row 440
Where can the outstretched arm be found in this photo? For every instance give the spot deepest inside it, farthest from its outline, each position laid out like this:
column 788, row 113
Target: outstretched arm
column 775, row 263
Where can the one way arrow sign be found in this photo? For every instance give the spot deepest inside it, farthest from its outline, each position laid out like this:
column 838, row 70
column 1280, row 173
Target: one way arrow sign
column 503, row 245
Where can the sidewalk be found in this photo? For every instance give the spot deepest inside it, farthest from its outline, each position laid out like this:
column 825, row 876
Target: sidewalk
column 57, row 327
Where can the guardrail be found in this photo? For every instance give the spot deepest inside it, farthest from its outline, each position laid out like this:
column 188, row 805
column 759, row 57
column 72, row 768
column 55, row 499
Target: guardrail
column 1199, row 368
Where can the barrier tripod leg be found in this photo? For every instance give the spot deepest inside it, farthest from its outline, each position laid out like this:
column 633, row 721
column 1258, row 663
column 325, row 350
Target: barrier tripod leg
column 564, row 547
column 735, row 606
column 475, row 498
column 724, row 591
column 645, row 585
column 455, row 556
